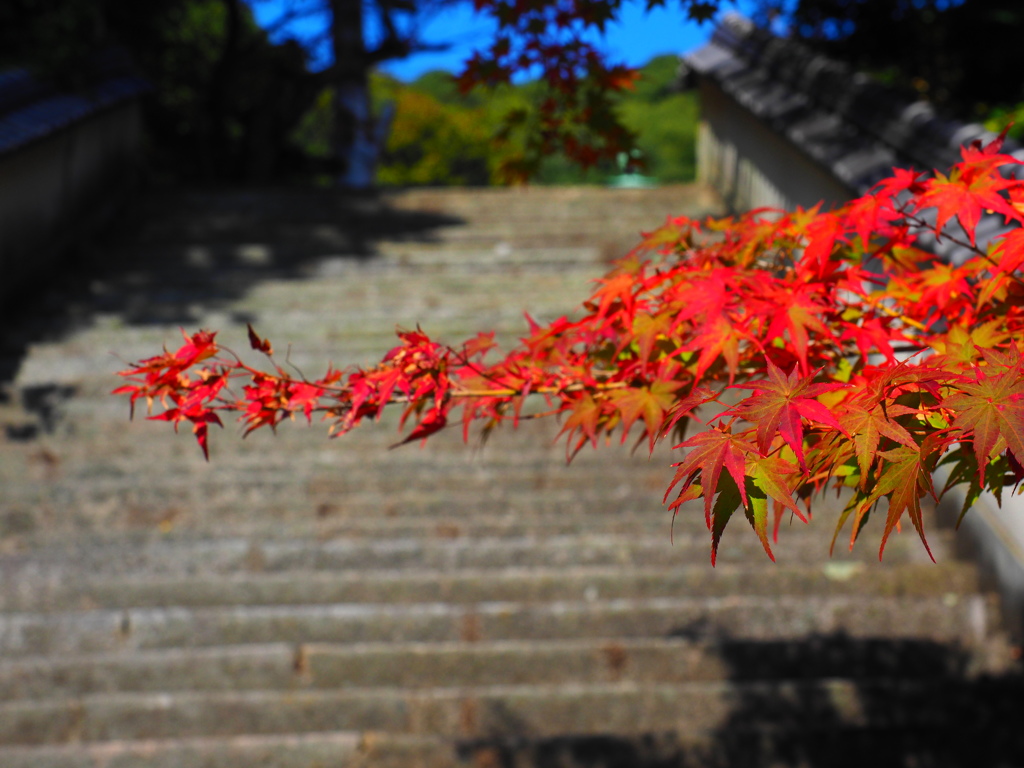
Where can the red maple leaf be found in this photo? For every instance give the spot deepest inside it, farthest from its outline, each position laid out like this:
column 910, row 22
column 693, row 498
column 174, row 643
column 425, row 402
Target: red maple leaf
column 992, row 408
column 710, row 452
column 781, row 404
column 649, row 403
column 866, row 427
column 794, row 310
column 260, row 345
column 965, row 193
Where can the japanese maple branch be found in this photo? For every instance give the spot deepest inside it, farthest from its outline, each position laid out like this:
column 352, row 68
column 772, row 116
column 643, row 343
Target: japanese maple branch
column 918, row 221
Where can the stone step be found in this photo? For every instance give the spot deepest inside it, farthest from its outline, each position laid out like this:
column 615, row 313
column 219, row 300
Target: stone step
column 259, row 527
column 35, row 588
column 472, row 252
column 300, row 602
column 623, row 708
column 341, row 287
column 419, row 665
column 343, row 466
column 477, row 206
column 303, row 237
column 216, row 509
column 965, row 619
column 302, row 750
column 272, row 513
column 321, row 338
column 949, row 745
column 210, row 557
column 586, row 221
column 38, row 528
column 139, row 526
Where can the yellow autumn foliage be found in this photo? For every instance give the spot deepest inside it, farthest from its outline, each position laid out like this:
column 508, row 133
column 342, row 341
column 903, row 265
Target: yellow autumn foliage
column 435, row 144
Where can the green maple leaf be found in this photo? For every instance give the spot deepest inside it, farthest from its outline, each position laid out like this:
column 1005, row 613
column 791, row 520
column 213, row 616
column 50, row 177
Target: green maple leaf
column 649, row 329
column 717, row 337
column 961, row 345
column 730, row 498
column 964, row 469
column 904, row 476
column 749, row 481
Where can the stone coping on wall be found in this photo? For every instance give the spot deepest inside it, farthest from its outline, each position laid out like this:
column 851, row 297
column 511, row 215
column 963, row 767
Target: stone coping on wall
column 32, row 108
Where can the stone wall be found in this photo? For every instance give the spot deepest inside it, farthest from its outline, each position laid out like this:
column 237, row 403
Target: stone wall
column 65, row 162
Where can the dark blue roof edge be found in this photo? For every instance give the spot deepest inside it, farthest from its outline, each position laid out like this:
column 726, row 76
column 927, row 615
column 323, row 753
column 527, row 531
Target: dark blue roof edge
column 32, row 109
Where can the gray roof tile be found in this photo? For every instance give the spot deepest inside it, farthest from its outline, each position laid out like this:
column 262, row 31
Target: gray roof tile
column 856, row 127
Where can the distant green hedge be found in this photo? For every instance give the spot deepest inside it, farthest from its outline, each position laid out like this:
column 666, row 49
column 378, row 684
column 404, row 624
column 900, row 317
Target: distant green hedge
column 439, row 136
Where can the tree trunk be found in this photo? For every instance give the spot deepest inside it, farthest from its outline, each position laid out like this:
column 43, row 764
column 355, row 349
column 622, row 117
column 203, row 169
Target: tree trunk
column 353, row 121
column 218, row 159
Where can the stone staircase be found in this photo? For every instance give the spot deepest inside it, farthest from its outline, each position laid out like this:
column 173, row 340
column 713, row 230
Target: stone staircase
column 300, row 602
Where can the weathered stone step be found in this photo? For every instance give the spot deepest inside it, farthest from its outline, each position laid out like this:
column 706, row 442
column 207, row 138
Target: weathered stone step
column 488, row 711
column 36, row 528
column 243, row 496
column 472, row 251
column 35, row 589
column 383, row 472
column 965, row 620
column 418, row 665
column 346, row 289
column 827, row 743
column 344, row 589
column 188, row 555
column 320, row 339
column 317, row 666
column 292, row 242
column 324, row 223
column 550, row 201
column 221, row 505
column 301, row 750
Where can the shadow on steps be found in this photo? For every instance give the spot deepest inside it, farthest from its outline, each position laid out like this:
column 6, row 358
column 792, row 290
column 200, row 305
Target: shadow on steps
column 176, row 254
column 828, row 701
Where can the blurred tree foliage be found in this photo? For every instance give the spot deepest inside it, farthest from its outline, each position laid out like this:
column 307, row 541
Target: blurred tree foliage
column 435, row 141
column 440, row 136
column 664, row 119
column 210, row 65
column 212, row 69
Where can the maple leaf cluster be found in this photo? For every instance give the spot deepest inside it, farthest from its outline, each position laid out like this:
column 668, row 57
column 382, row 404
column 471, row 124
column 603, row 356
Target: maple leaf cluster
column 817, row 349
column 556, row 43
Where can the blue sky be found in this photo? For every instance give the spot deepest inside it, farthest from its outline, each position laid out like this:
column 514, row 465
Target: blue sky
column 635, row 39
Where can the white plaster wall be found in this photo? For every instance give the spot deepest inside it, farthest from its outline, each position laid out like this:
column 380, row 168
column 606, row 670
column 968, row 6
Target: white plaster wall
column 751, row 165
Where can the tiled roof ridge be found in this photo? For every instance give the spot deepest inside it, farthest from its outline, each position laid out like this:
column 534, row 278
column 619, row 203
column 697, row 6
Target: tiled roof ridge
column 740, row 57
column 32, row 108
